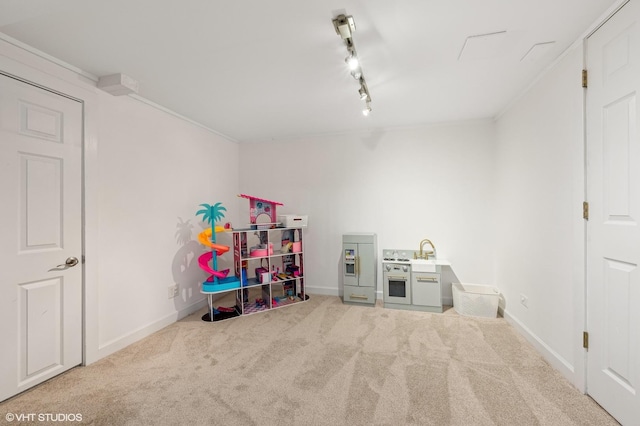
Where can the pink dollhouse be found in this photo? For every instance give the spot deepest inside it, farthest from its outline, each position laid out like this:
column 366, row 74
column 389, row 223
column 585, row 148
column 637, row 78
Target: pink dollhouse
column 260, row 206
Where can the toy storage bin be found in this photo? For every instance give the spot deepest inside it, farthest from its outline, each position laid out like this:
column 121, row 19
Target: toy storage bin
column 475, row 300
column 293, row 220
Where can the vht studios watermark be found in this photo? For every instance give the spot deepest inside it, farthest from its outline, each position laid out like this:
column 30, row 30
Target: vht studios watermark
column 43, row 417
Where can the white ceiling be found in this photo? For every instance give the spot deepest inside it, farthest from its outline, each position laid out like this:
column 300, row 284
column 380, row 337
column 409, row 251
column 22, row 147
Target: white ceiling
column 263, row 70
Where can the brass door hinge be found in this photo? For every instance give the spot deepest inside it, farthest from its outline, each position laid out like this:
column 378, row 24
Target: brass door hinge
column 585, row 210
column 585, row 78
column 585, row 339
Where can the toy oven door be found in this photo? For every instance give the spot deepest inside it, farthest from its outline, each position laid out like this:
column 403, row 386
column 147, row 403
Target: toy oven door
column 397, row 288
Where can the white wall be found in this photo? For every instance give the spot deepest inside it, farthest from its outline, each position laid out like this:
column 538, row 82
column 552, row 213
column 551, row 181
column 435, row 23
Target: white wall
column 146, row 172
column 154, row 172
column 405, row 185
column 540, row 189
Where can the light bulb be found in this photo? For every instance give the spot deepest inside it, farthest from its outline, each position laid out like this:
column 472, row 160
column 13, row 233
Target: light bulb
column 352, row 61
column 357, row 74
column 367, row 110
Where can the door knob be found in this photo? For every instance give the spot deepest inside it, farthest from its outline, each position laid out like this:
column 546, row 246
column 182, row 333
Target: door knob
column 69, row 263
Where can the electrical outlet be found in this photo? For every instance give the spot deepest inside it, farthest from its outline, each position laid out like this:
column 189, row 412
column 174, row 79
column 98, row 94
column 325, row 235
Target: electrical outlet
column 173, row 291
column 524, row 300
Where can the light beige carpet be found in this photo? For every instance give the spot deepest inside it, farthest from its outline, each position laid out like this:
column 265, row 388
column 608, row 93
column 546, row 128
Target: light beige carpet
column 321, row 363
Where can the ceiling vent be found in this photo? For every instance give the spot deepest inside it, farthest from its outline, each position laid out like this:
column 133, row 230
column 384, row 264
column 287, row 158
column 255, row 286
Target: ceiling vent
column 483, row 46
column 537, row 51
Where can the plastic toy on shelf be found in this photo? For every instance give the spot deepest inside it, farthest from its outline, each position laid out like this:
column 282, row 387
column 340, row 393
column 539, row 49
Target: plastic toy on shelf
column 218, row 279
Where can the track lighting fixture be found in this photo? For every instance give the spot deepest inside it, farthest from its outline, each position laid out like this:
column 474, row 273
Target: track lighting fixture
column 345, row 26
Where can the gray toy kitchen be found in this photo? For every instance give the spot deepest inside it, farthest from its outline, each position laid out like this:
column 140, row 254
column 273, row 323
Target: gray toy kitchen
column 411, row 278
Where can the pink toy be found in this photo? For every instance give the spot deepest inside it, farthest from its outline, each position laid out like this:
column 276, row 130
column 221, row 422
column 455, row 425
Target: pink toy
column 203, row 261
column 258, row 206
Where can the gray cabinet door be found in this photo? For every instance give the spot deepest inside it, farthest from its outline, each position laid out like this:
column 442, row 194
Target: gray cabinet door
column 359, row 264
column 426, row 289
column 366, row 265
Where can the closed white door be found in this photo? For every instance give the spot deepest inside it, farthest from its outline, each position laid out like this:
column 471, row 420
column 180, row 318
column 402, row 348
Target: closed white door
column 613, row 229
column 40, row 228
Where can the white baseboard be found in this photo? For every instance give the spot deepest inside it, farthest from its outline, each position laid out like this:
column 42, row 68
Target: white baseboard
column 551, row 356
column 326, row 291
column 122, row 342
column 323, row 291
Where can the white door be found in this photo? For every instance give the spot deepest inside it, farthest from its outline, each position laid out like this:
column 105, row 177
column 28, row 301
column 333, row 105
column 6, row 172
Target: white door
column 40, row 228
column 613, row 229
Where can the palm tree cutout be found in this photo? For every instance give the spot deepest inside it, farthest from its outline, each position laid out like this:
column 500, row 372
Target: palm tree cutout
column 211, row 215
column 184, row 266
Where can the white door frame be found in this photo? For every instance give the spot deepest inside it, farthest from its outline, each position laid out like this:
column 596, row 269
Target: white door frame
column 40, row 70
column 612, row 11
column 82, row 192
column 581, row 376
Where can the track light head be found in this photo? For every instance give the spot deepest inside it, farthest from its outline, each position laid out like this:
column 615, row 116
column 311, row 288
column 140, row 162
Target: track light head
column 367, row 109
column 352, row 61
column 363, row 93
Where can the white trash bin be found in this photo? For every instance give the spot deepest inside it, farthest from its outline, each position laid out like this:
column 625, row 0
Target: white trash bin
column 475, row 300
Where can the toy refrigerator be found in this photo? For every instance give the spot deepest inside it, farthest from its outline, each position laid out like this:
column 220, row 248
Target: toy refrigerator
column 359, row 267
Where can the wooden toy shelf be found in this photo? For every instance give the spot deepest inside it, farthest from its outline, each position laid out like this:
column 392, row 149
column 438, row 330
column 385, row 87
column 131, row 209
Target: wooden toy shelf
column 276, row 256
